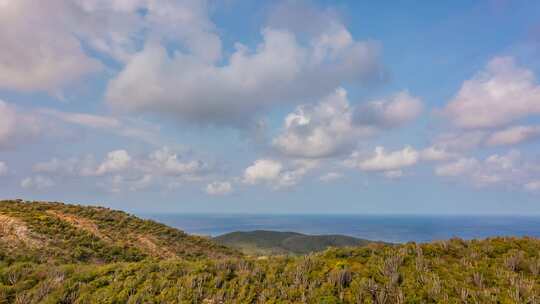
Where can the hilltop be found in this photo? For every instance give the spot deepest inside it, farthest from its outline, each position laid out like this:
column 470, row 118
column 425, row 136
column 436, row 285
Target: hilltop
column 262, row 242
column 43, row 231
column 57, row 253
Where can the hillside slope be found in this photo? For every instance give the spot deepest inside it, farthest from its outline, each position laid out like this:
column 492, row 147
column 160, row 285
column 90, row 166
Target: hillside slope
column 70, row 233
column 262, row 242
column 55, row 253
column 500, row 270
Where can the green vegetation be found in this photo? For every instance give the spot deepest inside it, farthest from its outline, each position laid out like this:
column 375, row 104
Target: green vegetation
column 37, row 265
column 42, row 232
column 261, row 242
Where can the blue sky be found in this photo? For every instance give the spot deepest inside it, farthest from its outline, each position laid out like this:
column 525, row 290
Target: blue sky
column 272, row 106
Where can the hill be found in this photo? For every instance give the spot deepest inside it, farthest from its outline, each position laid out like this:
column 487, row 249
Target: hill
column 57, row 253
column 69, row 233
column 262, row 242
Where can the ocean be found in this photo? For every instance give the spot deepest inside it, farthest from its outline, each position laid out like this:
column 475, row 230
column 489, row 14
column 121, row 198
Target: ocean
column 388, row 228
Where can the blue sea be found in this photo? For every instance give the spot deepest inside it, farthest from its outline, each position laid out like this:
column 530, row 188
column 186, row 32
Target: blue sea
column 389, row 228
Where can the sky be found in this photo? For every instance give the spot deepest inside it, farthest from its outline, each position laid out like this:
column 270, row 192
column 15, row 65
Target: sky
column 236, row 106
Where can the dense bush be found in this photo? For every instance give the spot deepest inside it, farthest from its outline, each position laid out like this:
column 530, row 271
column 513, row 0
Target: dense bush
column 40, row 232
column 498, row 270
column 501, row 270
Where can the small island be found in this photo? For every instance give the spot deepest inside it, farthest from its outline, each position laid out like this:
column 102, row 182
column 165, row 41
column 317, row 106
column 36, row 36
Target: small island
column 263, row 242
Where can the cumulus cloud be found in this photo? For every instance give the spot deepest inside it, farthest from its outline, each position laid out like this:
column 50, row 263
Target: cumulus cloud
column 321, row 130
column 167, row 162
column 84, row 166
column 508, row 170
column 115, row 161
column 513, row 135
column 275, row 173
column 457, row 142
column 39, row 51
column 460, row 141
column 434, row 153
column 503, row 92
column 281, row 69
column 122, row 171
column 37, row 182
column 381, row 160
column 53, row 56
column 263, row 170
column 185, row 22
column 219, row 188
column 457, row 168
column 333, row 126
column 394, row 111
column 163, row 162
column 3, row 169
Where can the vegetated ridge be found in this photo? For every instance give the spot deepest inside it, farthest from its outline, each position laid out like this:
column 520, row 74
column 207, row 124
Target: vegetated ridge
column 42, row 231
column 56, row 253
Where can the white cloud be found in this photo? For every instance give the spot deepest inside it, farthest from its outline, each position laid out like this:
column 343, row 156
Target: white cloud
column 434, row 153
column 22, row 125
column 513, row 135
column 496, row 96
column 331, row 176
column 321, row 130
column 166, row 162
column 37, row 182
column 281, row 69
column 53, row 56
column 115, row 161
column 181, row 21
column 39, row 51
column 508, row 170
column 84, row 119
column 16, row 127
column 126, row 127
column 3, row 169
column 333, row 126
column 459, row 141
column 457, row 168
column 162, row 162
column 85, row 166
column 381, row 160
column 276, row 174
column 263, row 170
column 120, row 171
column 454, row 143
column 219, row 188
column 394, row 111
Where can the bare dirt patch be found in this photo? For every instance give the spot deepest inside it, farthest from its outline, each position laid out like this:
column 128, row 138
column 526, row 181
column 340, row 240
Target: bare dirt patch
column 81, row 223
column 13, row 231
column 154, row 249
